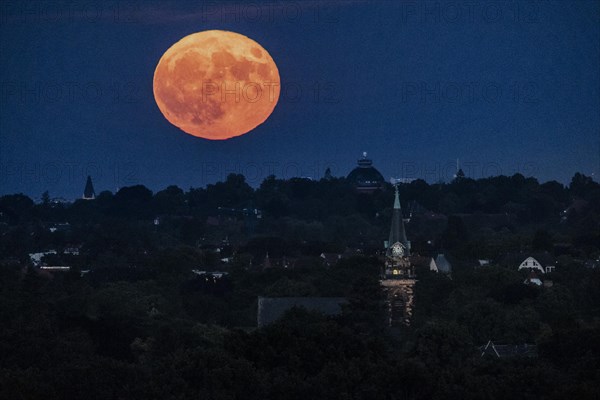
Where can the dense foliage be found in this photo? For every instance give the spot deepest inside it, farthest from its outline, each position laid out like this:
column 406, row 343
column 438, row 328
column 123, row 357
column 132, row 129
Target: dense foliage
column 130, row 320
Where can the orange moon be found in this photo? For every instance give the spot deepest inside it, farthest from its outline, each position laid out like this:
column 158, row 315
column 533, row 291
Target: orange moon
column 216, row 84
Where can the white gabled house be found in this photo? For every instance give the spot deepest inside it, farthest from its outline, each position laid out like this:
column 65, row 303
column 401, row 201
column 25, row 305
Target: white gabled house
column 545, row 266
column 541, row 262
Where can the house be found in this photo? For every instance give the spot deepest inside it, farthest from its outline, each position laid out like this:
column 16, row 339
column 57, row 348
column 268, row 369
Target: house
column 72, row 250
column 533, row 279
column 542, row 262
column 214, row 275
column 36, row 258
column 544, row 265
column 508, row 350
column 441, row 264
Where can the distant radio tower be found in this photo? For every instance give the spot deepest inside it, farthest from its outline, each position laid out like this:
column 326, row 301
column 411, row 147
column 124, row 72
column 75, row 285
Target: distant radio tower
column 459, row 172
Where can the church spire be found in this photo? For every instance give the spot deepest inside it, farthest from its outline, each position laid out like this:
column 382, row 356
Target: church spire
column 88, row 192
column 397, row 231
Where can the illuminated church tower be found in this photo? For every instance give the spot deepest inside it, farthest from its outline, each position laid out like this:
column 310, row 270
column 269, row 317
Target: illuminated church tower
column 398, row 277
column 397, row 262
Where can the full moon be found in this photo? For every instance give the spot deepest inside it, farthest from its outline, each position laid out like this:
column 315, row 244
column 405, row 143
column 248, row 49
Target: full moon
column 216, row 84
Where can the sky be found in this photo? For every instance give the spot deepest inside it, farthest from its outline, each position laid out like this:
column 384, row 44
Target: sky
column 505, row 86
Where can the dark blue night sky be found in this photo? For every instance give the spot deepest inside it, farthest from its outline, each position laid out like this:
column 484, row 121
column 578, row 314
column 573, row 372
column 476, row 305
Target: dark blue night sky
column 505, row 86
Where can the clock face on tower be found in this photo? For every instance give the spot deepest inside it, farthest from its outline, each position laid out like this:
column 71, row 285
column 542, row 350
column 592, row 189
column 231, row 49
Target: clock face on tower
column 397, row 249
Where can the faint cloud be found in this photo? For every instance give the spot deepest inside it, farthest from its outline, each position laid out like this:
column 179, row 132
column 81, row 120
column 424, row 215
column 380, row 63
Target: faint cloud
column 315, row 11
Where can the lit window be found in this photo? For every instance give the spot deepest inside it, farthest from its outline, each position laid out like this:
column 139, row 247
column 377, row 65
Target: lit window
column 395, row 272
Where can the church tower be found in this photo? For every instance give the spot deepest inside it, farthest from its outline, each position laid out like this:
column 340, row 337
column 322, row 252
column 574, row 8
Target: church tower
column 398, row 277
column 88, row 192
column 397, row 254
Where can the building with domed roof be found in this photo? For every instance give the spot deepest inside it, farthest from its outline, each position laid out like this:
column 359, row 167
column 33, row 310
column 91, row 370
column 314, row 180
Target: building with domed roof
column 365, row 177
